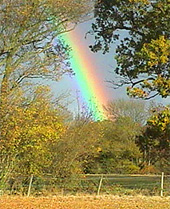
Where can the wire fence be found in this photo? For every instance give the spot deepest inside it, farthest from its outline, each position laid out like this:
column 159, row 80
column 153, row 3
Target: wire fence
column 97, row 184
column 132, row 184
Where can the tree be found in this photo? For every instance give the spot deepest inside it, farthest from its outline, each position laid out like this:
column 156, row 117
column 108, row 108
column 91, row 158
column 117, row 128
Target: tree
column 117, row 152
column 27, row 48
column 28, row 134
column 142, row 30
column 71, row 153
column 29, row 52
column 155, row 139
column 76, row 146
column 135, row 110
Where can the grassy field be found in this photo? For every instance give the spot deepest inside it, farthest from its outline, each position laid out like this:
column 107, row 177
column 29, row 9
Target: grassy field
column 85, row 202
column 112, row 184
column 126, row 184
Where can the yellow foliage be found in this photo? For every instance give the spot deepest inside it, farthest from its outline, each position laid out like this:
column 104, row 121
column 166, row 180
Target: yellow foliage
column 136, row 92
column 139, row 1
column 157, row 52
column 160, row 119
column 29, row 131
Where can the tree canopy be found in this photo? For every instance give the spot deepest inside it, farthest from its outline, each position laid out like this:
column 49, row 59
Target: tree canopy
column 136, row 110
column 154, row 142
column 141, row 28
column 27, row 33
column 29, row 52
column 38, row 135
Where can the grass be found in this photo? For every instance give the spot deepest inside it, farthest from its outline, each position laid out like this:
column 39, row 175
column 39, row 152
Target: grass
column 84, row 202
column 147, row 185
column 129, row 184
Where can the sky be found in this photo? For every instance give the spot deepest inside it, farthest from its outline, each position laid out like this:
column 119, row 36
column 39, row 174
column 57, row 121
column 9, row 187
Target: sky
column 103, row 70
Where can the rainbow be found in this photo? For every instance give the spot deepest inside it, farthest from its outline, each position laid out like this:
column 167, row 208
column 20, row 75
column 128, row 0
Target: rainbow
column 86, row 76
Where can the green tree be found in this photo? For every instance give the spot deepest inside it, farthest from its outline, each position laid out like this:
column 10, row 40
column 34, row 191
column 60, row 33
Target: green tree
column 78, row 144
column 155, row 139
column 118, row 152
column 142, row 30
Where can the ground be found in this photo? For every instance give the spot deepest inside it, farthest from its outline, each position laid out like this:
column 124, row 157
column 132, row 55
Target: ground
column 85, row 202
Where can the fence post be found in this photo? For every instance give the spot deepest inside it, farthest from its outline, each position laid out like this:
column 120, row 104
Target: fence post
column 100, row 184
column 162, row 184
column 1, row 192
column 29, row 187
column 62, row 191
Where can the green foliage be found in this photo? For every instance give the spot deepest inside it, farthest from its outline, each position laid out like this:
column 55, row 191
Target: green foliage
column 141, row 28
column 75, row 148
column 155, row 140
column 118, row 152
